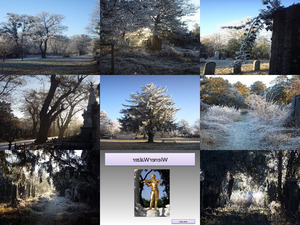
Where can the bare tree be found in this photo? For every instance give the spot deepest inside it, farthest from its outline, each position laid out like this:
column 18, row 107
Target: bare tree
column 60, row 88
column 8, row 83
column 32, row 106
column 80, row 43
column 94, row 27
column 64, row 119
column 6, row 45
column 59, row 44
column 17, row 28
column 46, row 26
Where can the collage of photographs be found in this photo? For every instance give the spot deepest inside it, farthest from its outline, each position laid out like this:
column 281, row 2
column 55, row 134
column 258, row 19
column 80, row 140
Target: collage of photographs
column 123, row 112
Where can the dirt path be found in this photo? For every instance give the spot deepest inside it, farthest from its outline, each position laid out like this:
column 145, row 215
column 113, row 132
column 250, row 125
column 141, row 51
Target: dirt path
column 53, row 210
column 241, row 135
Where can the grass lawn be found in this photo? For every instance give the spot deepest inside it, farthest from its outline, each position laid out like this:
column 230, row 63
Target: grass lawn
column 142, row 62
column 115, row 144
column 74, row 65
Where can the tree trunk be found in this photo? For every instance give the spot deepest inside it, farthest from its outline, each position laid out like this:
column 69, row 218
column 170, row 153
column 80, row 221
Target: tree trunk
column 279, row 188
column 29, row 190
column 33, row 190
column 43, row 131
column 285, row 49
column 150, row 137
column 230, row 186
column 34, row 126
column 62, row 130
column 14, row 195
column 43, row 50
column 141, row 198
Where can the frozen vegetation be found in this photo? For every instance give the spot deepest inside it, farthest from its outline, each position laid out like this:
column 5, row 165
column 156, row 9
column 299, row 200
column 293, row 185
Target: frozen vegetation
column 170, row 60
column 48, row 209
column 258, row 128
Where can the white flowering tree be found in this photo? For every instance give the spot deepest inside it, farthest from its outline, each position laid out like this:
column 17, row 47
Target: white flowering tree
column 150, row 109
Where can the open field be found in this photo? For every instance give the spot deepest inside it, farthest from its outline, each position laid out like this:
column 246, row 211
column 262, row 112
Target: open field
column 181, row 144
column 223, row 67
column 171, row 60
column 74, row 65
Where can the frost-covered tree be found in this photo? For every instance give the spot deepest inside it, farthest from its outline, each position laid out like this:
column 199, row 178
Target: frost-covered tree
column 80, row 43
column 46, row 26
column 162, row 18
column 151, row 109
column 253, row 27
column 17, row 28
column 6, row 46
column 184, row 127
column 94, row 27
column 59, row 45
column 103, row 116
column 196, row 127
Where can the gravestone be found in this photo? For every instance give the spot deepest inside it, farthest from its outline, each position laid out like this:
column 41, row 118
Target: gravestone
column 293, row 196
column 217, row 55
column 209, row 68
column 285, row 49
column 237, row 68
column 296, row 107
column 256, row 65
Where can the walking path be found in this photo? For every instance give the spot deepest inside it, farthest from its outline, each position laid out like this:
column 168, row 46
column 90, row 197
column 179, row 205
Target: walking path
column 241, row 135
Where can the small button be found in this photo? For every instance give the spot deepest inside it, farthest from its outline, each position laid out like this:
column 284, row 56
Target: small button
column 183, row 221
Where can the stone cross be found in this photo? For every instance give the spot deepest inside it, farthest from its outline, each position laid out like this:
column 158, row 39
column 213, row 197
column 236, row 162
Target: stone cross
column 256, row 65
column 209, row 68
column 217, row 55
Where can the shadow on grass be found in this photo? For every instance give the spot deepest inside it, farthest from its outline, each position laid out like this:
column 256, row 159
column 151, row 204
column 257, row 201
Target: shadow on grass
column 49, row 66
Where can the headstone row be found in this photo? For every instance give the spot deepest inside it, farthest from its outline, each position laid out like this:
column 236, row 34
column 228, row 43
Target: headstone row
column 210, row 67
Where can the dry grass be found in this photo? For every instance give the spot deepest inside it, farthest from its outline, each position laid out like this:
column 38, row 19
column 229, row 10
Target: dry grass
column 10, row 216
column 190, row 144
column 139, row 62
column 262, row 129
column 52, row 65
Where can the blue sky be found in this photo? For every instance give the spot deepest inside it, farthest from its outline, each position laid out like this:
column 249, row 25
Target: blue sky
column 185, row 90
column 146, row 191
column 217, row 12
column 43, row 83
column 77, row 12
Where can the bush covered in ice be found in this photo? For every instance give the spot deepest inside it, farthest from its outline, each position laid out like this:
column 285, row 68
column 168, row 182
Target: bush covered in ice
column 214, row 124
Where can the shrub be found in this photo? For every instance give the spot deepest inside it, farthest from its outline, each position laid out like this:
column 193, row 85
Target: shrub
column 268, row 112
column 214, row 125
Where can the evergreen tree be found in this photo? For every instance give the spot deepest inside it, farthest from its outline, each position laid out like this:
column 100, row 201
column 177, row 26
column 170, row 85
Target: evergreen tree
column 151, row 109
